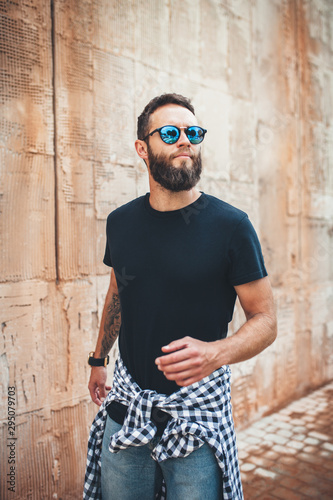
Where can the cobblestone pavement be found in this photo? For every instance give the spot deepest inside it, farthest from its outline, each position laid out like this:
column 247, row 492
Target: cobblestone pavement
column 289, row 455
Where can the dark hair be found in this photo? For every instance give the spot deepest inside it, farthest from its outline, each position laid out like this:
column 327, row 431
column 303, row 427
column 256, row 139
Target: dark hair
column 158, row 102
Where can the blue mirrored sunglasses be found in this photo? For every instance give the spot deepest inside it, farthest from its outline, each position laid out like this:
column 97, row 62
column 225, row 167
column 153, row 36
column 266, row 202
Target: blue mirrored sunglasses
column 170, row 134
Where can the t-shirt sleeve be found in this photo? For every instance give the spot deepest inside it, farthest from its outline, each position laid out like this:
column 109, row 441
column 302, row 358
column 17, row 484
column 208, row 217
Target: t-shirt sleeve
column 107, row 255
column 246, row 262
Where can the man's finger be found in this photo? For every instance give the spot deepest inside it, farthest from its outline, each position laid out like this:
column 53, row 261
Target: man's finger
column 174, row 357
column 176, row 345
column 187, row 382
column 94, row 397
column 185, row 374
column 176, row 367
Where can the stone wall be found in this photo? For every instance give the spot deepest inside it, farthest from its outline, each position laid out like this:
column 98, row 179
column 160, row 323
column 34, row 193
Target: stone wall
column 74, row 77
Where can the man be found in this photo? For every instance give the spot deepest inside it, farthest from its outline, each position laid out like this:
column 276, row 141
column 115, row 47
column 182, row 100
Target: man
column 179, row 258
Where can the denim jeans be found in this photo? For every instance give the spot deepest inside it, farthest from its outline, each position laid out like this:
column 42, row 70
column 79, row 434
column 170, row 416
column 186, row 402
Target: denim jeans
column 132, row 474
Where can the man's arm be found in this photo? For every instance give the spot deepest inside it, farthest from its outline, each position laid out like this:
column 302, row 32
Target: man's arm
column 190, row 359
column 108, row 333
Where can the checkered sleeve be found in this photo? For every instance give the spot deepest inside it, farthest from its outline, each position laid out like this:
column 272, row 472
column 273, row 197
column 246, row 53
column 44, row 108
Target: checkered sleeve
column 92, row 482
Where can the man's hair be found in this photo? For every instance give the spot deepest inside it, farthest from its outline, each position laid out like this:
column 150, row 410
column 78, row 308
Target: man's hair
column 158, row 102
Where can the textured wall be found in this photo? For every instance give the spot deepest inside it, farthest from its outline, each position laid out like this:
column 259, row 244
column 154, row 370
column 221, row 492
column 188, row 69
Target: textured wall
column 74, row 76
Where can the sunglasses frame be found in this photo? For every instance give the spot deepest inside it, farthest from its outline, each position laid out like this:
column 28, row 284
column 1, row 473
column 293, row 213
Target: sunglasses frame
column 179, row 131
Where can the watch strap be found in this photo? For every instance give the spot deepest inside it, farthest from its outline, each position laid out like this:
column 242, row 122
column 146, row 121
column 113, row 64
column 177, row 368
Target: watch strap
column 97, row 361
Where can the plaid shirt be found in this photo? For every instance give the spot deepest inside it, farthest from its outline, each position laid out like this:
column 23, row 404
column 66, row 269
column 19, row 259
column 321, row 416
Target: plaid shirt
column 200, row 413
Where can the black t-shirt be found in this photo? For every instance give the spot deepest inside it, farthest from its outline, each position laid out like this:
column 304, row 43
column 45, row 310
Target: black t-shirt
column 176, row 273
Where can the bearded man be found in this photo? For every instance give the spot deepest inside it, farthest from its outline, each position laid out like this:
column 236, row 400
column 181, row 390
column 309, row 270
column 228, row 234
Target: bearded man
column 179, row 258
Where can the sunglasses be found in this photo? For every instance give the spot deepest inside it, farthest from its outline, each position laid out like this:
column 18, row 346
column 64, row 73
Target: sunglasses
column 170, row 134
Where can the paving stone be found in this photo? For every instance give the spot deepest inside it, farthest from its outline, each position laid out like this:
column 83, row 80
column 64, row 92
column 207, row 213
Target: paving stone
column 296, row 422
column 256, row 432
column 328, row 447
column 271, row 455
column 283, row 418
column 286, row 494
column 241, row 444
column 309, row 418
column 286, row 450
column 300, row 429
column 311, row 450
column 260, row 424
column 265, row 473
column 252, row 440
column 247, row 467
column 309, row 479
column 318, row 435
column 262, row 461
column 311, row 441
column 276, row 438
column 299, row 437
column 285, row 433
column 253, row 449
column 310, row 491
column 295, row 444
column 271, row 429
column 288, row 460
column 277, row 448
column 326, row 486
column 242, row 455
column 306, row 457
column 292, row 483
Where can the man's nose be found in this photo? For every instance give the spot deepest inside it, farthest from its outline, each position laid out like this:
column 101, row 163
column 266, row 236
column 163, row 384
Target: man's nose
column 183, row 139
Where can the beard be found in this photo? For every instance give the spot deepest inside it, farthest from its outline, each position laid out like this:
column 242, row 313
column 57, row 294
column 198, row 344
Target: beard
column 181, row 178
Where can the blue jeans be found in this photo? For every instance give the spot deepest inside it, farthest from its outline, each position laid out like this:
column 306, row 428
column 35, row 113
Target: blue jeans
column 132, row 474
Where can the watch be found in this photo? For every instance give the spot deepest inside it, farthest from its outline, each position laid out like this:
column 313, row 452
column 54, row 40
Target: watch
column 97, row 361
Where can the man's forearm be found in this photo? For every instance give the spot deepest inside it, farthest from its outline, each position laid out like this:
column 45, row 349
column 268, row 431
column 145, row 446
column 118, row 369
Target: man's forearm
column 108, row 333
column 110, row 325
column 252, row 338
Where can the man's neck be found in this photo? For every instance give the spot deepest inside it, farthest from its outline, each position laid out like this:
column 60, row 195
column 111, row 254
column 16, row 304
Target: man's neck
column 164, row 200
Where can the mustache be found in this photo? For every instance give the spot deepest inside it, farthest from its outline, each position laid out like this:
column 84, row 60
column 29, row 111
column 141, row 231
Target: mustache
column 182, row 151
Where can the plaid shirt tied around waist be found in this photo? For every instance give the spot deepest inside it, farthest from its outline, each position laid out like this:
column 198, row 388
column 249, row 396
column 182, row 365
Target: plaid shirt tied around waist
column 199, row 413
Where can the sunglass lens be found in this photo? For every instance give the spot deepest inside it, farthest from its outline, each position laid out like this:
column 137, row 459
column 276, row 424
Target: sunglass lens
column 169, row 134
column 195, row 134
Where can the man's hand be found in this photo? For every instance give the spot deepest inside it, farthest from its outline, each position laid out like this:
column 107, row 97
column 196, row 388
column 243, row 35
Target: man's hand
column 187, row 360
column 96, row 386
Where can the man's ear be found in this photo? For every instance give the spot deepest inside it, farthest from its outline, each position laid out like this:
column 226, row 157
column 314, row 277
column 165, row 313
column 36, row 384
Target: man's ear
column 141, row 149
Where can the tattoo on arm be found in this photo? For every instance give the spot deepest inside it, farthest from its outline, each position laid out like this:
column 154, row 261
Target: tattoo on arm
column 111, row 325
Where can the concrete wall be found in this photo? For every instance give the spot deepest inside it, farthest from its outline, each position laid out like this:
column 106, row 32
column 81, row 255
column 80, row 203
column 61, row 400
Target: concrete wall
column 74, row 77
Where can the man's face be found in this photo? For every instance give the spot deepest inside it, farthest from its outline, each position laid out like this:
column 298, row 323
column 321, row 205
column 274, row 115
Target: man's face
column 176, row 167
